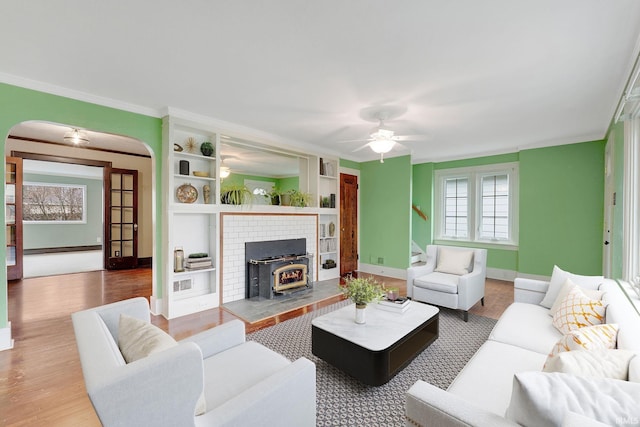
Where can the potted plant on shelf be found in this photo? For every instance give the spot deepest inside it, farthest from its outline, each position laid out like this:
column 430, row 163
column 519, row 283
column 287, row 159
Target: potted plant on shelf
column 235, row 194
column 275, row 196
column 299, row 199
column 362, row 291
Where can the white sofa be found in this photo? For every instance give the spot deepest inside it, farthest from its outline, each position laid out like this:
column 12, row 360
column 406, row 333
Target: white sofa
column 244, row 383
column 520, row 341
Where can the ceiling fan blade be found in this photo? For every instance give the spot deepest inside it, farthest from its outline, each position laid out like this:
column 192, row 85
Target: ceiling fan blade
column 400, row 146
column 362, row 147
column 410, row 137
column 352, row 140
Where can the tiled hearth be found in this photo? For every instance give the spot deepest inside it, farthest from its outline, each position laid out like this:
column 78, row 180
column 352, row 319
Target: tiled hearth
column 238, row 228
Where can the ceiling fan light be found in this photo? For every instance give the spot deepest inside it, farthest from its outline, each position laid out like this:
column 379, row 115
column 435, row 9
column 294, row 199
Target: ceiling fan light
column 381, row 146
column 76, row 137
column 224, row 171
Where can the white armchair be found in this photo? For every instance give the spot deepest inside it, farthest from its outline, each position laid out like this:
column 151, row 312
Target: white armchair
column 244, row 383
column 452, row 277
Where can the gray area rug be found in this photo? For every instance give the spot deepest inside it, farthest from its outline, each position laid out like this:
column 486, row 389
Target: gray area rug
column 344, row 401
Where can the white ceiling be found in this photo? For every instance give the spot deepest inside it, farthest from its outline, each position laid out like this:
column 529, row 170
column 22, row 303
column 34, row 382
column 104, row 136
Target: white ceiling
column 474, row 77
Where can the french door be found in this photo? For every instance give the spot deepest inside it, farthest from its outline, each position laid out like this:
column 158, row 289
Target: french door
column 122, row 241
column 13, row 216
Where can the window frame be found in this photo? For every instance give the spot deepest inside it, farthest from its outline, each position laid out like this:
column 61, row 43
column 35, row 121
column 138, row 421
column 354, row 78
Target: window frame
column 474, row 175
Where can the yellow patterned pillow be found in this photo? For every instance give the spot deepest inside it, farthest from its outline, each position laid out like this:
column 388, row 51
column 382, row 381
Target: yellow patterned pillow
column 578, row 311
column 589, row 338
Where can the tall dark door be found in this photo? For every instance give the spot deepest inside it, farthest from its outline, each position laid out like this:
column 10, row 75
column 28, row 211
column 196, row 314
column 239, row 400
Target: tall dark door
column 348, row 223
column 13, row 216
column 122, row 241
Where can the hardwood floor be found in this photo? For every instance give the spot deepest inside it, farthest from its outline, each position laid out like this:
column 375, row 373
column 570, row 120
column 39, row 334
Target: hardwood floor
column 41, row 380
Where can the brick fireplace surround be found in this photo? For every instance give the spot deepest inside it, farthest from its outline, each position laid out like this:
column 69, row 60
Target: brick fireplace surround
column 239, row 228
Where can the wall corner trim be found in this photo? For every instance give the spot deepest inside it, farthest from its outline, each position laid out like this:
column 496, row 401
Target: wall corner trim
column 6, row 343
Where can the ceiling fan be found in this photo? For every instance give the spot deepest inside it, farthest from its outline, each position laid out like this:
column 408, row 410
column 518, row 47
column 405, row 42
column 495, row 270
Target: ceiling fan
column 382, row 139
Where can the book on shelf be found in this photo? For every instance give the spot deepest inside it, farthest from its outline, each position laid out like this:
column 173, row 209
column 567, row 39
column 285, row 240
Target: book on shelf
column 197, row 268
column 192, row 265
column 198, row 259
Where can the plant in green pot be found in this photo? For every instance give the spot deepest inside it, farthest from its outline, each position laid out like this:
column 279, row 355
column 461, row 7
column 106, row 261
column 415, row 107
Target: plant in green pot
column 362, row 291
column 235, row 194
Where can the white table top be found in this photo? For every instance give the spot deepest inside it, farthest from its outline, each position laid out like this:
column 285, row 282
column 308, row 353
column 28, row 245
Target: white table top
column 382, row 328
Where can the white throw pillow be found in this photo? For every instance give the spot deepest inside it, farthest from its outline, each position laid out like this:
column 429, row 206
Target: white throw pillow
column 454, row 261
column 559, row 276
column 599, row 363
column 564, row 290
column 590, row 338
column 138, row 339
column 634, row 370
column 544, row 399
column 578, row 311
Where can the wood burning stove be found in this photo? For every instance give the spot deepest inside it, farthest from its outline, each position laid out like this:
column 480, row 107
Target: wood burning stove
column 276, row 268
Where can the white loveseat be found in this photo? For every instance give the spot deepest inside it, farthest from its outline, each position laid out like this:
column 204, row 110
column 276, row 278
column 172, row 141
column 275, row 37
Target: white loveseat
column 520, row 341
column 244, row 383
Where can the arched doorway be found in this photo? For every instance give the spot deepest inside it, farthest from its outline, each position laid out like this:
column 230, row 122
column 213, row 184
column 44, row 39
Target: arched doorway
column 43, row 140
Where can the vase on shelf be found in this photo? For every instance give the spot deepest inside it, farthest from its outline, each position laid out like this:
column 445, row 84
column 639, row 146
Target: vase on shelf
column 206, row 192
column 360, row 313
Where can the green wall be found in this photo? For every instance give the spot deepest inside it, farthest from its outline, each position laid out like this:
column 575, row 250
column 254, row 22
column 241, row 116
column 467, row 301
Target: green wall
column 37, row 236
column 477, row 161
column 385, row 212
column 349, row 164
column 561, row 208
column 285, row 184
column 422, row 197
column 18, row 105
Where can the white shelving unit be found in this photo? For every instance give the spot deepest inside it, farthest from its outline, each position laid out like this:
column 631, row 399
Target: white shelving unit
column 328, row 219
column 192, row 217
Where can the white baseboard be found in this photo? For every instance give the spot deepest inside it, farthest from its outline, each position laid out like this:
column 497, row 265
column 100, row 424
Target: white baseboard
column 62, row 263
column 6, row 343
column 500, row 274
column 381, row 270
column 155, row 305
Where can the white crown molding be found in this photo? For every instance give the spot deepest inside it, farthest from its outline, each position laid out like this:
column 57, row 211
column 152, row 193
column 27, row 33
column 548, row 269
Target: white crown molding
column 246, row 132
column 77, row 95
column 542, row 144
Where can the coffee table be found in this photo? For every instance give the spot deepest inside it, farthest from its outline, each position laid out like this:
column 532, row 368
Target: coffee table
column 377, row 350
